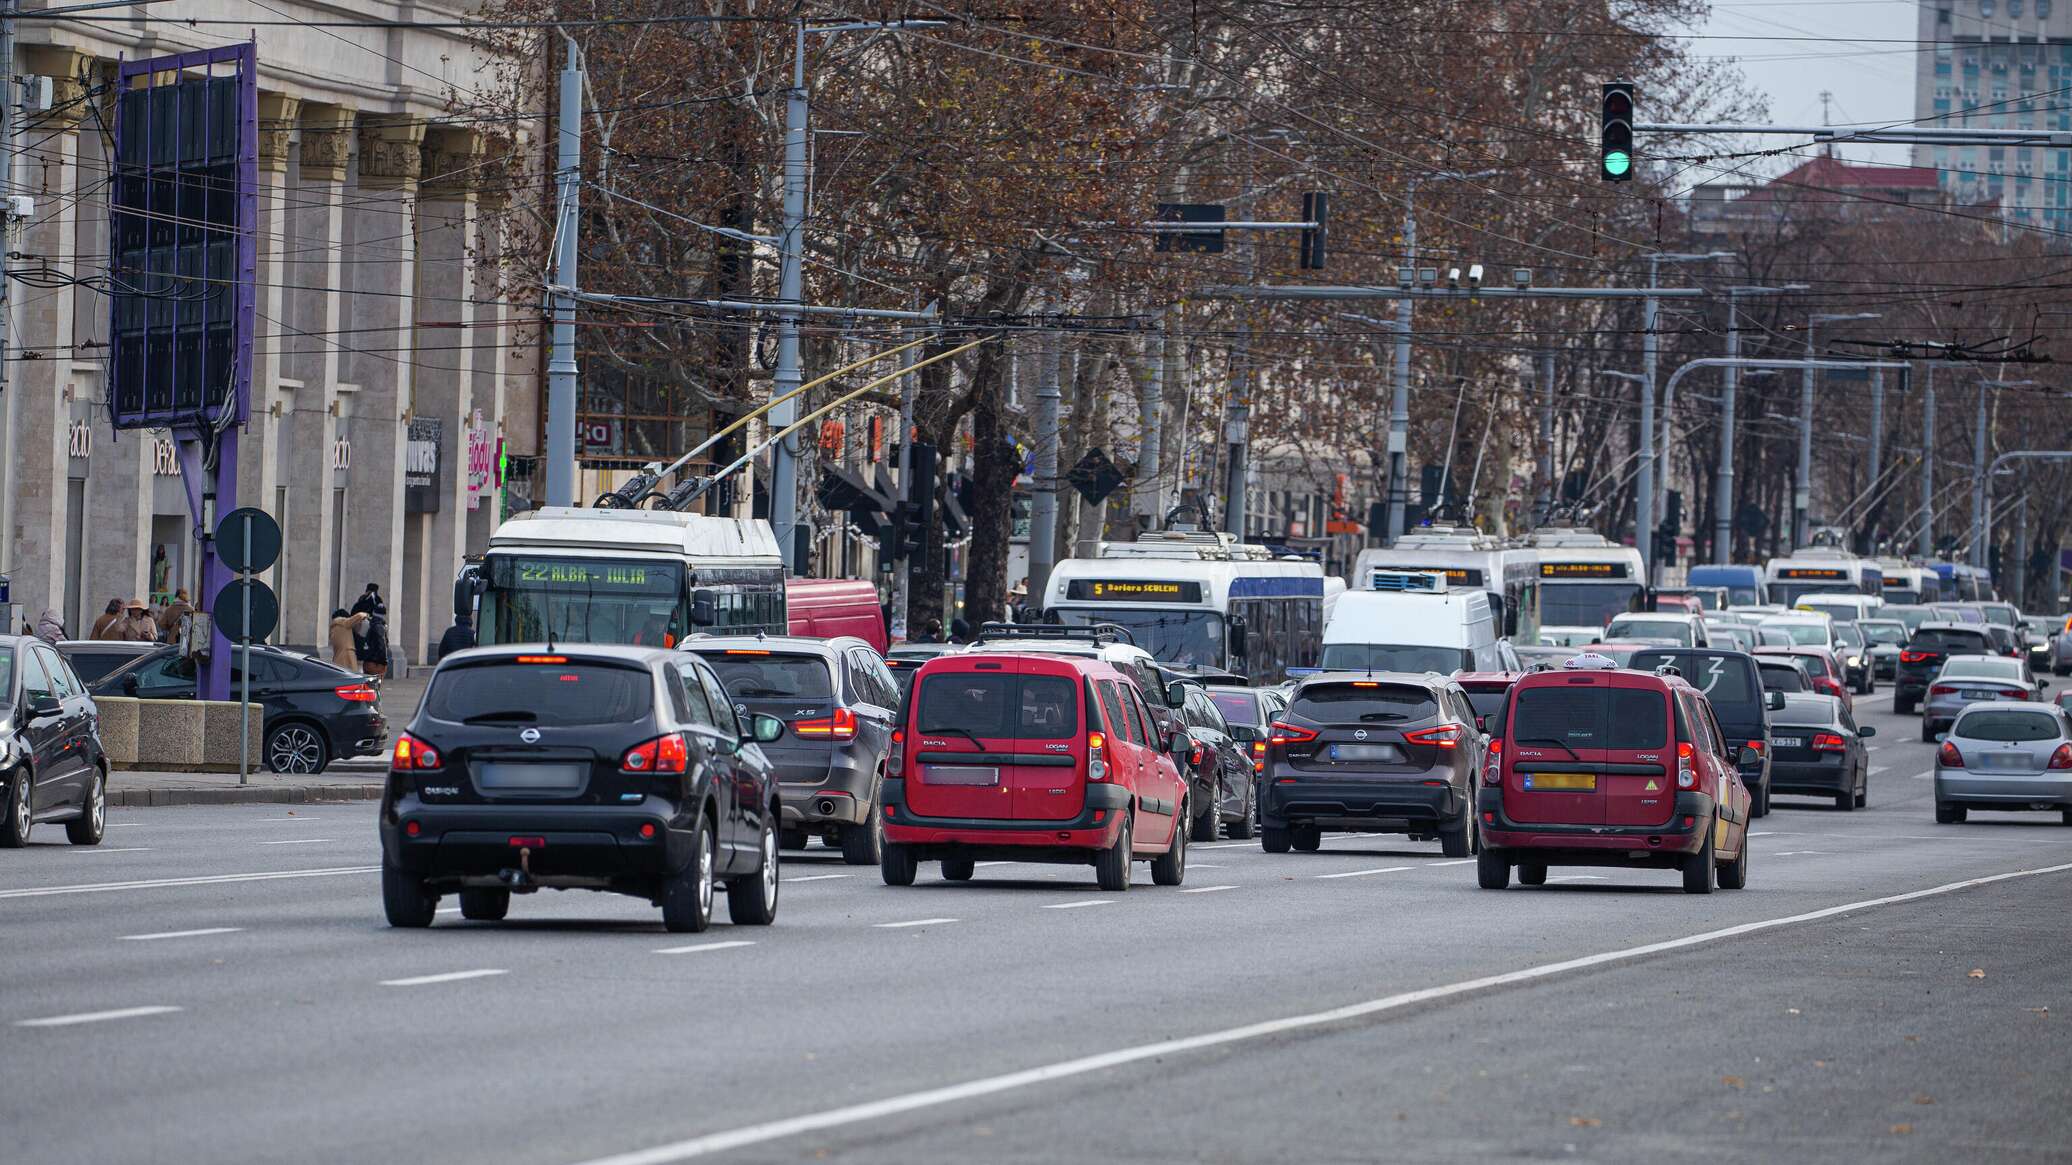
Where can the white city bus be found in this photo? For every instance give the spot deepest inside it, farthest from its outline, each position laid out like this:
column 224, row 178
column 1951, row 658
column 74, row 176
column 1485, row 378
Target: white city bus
column 1198, row 601
column 1584, row 578
column 567, row 574
column 1816, row 569
column 1469, row 559
column 1905, row 582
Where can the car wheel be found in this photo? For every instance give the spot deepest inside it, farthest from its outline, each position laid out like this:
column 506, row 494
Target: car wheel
column 861, row 843
column 1532, row 873
column 793, row 838
column 1863, row 789
column 1306, row 838
column 1492, row 869
column 1274, row 839
column 484, row 904
column 1112, row 865
column 1170, row 867
column 1759, row 805
column 1845, row 801
column 296, row 748
column 92, row 822
column 1208, row 823
column 2066, row 817
column 20, row 817
column 1697, row 868
column 1927, row 732
column 958, row 869
column 687, row 895
column 1734, row 875
column 1950, row 814
column 1246, row 826
column 752, row 901
column 1457, row 841
column 897, row 864
column 405, row 899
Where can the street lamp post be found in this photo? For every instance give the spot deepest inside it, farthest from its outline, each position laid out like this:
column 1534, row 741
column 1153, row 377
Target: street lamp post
column 1802, row 494
column 1644, row 482
column 1723, row 487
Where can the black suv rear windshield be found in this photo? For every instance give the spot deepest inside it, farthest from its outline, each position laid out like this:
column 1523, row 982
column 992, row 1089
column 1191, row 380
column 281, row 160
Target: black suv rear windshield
column 998, row 706
column 1237, row 707
column 555, row 694
column 1784, row 677
column 2009, row 726
column 1729, row 681
column 763, row 676
column 1363, row 702
column 1952, row 642
column 1597, row 716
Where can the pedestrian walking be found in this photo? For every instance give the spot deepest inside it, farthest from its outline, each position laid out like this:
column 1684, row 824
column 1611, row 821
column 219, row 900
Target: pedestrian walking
column 137, row 625
column 370, row 602
column 108, row 626
column 1018, row 602
column 50, row 628
column 345, row 629
column 172, row 622
column 458, row 637
column 374, row 649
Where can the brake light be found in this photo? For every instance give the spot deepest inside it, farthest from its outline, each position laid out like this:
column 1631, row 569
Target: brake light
column 1096, row 757
column 1445, row 736
column 1828, row 742
column 1758, row 745
column 663, row 754
column 411, row 753
column 1915, row 656
column 1194, row 755
column 895, row 760
column 746, row 651
column 1686, row 770
column 1281, row 732
column 542, row 659
column 1258, row 756
column 1493, row 773
column 840, row 726
column 1949, row 757
column 356, row 694
column 2061, row 759
column 1941, row 690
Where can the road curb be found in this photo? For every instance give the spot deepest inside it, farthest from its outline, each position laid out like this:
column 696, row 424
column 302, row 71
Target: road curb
column 268, row 794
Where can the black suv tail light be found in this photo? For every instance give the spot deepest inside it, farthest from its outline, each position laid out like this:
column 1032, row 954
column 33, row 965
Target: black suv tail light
column 663, row 754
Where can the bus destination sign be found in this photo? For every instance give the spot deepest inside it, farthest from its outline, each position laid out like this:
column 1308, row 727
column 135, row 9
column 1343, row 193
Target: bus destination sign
column 1583, row 570
column 1456, row 576
column 1813, row 572
column 1132, row 590
column 585, row 575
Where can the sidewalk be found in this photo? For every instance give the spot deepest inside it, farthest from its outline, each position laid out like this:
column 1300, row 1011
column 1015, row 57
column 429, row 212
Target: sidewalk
column 135, row 789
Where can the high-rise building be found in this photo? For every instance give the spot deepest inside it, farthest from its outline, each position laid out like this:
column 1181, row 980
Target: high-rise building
column 1998, row 64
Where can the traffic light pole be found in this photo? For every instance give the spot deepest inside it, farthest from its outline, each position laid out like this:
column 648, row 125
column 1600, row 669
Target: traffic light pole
column 1043, row 500
column 1928, row 464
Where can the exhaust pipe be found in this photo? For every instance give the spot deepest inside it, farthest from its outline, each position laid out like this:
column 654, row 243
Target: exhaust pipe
column 827, row 806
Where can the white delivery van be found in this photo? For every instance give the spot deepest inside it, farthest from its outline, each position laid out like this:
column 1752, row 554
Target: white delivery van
column 1842, row 608
column 1411, row 621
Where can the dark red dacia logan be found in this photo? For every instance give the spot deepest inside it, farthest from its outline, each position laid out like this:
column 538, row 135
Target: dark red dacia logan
column 1597, row 765
column 1032, row 758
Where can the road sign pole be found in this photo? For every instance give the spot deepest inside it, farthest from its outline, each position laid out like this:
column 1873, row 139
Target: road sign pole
column 244, row 707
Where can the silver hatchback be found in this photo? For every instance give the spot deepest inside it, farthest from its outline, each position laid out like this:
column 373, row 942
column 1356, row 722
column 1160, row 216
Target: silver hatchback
column 1968, row 679
column 2008, row 755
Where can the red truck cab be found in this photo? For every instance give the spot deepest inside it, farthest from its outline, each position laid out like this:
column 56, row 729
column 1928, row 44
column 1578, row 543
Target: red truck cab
column 826, row 607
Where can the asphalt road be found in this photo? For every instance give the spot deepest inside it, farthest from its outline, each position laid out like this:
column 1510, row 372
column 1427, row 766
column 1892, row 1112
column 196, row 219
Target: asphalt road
column 217, row 984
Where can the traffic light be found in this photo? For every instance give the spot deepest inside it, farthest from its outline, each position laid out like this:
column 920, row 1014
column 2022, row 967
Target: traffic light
column 1616, row 163
column 1316, row 208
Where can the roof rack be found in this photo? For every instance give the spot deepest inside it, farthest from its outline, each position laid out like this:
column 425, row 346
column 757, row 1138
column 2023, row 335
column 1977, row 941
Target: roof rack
column 1095, row 633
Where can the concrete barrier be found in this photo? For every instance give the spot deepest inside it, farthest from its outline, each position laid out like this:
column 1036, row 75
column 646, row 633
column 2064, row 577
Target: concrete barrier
column 118, row 716
column 178, row 736
column 219, row 735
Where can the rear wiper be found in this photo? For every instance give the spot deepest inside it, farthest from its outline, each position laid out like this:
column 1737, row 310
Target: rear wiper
column 763, row 693
column 945, row 731
column 1550, row 740
column 512, row 714
column 1381, row 716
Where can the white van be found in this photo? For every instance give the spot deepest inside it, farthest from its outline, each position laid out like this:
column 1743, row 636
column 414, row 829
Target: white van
column 1410, row 621
column 1841, row 608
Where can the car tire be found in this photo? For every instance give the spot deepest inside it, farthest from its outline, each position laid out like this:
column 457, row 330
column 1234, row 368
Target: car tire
column 2059, row 671
column 19, row 815
column 793, row 838
column 1532, row 873
column 2066, row 817
column 296, row 748
column 1459, row 840
column 1306, row 838
column 1246, row 826
column 1734, row 875
column 405, row 898
column 1863, row 789
column 1170, row 867
column 1950, row 814
column 1902, row 706
column 484, row 904
column 1846, row 801
column 1698, row 867
column 1208, row 824
column 1274, row 839
column 92, row 822
column 1112, row 865
column 862, row 843
column 1759, row 805
column 1927, row 732
column 687, row 894
column 958, row 869
column 752, row 901
column 1492, row 869
column 897, row 864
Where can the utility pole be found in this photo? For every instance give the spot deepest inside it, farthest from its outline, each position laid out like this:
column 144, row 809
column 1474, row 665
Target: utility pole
column 1723, row 484
column 1237, row 420
column 1978, row 483
column 902, row 583
column 1928, row 464
column 1802, row 492
column 7, row 410
column 1043, row 502
column 561, row 359
column 1549, row 490
column 1644, row 479
column 784, row 485
column 2021, row 549
column 1877, row 423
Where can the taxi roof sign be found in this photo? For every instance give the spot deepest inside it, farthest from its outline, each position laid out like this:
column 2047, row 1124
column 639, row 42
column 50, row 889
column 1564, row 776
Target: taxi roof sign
column 1590, row 661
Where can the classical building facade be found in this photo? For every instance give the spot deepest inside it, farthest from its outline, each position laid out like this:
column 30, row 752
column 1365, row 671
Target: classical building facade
column 388, row 360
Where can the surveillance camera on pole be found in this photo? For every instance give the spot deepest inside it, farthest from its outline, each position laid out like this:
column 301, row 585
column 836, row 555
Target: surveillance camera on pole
column 1521, row 277
column 1453, row 277
column 1475, row 275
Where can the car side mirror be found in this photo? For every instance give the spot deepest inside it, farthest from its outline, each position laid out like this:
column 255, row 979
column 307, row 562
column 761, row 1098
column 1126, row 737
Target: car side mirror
column 764, row 729
column 1176, row 694
column 704, row 608
column 45, row 707
column 2040, row 685
column 1867, row 730
column 1748, row 757
column 1774, row 700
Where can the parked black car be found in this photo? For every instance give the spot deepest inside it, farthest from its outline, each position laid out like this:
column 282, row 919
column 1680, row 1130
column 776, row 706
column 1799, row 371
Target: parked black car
column 1818, row 749
column 93, row 658
column 1218, row 769
column 1923, row 656
column 315, row 713
column 1733, row 682
column 51, row 764
column 837, row 702
column 596, row 767
column 1386, row 752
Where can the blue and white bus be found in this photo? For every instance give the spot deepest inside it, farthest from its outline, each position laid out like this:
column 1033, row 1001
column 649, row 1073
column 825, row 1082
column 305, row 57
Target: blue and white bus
column 1909, row 582
column 1742, row 582
column 1963, row 583
column 1584, row 578
column 1469, row 559
column 1821, row 570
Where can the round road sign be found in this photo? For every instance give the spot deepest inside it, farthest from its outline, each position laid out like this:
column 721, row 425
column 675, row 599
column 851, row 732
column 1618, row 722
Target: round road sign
column 246, row 609
column 248, row 539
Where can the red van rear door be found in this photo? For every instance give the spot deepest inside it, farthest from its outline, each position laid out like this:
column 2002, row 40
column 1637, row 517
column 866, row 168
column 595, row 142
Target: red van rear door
column 961, row 723
column 1554, row 762
column 1640, row 753
column 1045, row 769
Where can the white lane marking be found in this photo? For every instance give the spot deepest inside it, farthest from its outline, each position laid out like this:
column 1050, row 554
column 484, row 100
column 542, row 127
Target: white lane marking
column 1203, row 866
column 204, row 880
column 694, row 948
column 983, row 865
column 1206, row 889
column 1457, row 862
column 1580, row 878
column 1876, row 769
column 1078, row 904
column 1766, row 833
column 1364, row 873
column 111, row 849
column 915, row 922
column 145, row 938
column 446, row 977
column 300, row 841
column 94, row 1016
column 873, row 1110
column 816, row 878
column 1230, row 845
column 1793, row 853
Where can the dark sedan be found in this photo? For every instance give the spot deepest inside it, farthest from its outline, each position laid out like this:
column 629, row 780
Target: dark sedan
column 1816, row 747
column 51, row 764
column 315, row 713
column 1218, row 766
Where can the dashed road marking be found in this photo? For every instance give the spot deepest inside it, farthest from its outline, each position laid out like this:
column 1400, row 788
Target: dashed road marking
column 202, row 880
column 914, row 922
column 95, row 1016
column 694, row 948
column 816, row 878
column 1364, row 873
column 1078, row 904
column 447, row 977
column 145, row 938
column 1206, row 889
column 300, row 841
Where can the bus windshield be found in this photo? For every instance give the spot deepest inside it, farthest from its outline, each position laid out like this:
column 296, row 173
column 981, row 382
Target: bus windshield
column 534, row 599
column 1790, row 591
column 1181, row 638
column 1585, row 604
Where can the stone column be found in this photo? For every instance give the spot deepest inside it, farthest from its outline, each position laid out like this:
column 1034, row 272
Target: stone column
column 492, row 338
column 309, row 363
column 383, row 282
column 445, row 349
column 260, row 451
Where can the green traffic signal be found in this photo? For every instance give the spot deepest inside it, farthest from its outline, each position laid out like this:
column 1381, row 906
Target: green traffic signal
column 1617, row 162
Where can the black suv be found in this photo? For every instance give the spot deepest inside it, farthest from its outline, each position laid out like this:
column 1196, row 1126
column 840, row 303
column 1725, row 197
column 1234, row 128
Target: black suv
column 593, row 767
column 1923, row 656
column 1218, row 769
column 315, row 713
column 838, row 703
column 1733, row 682
column 1382, row 752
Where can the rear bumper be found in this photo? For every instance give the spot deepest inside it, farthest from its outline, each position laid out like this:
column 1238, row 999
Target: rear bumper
column 583, row 844
column 1597, row 844
column 361, row 735
column 1390, row 805
column 1817, row 776
column 1075, row 839
column 2021, row 791
column 836, row 791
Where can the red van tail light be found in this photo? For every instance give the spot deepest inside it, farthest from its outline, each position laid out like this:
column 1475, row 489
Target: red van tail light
column 411, row 753
column 1948, row 756
column 1096, row 757
column 663, row 754
column 1828, row 742
column 1445, row 736
column 2062, row 758
column 1686, row 770
column 1493, row 772
column 840, row 726
column 895, row 760
column 1282, row 732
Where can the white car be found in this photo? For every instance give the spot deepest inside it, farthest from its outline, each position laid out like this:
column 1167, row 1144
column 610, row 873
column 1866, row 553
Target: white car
column 1685, row 630
column 1806, row 628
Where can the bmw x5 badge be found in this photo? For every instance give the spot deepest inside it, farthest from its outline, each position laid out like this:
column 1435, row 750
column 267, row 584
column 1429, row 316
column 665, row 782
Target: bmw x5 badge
column 530, row 736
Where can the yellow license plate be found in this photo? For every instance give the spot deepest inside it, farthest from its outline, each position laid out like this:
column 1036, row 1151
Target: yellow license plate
column 1566, row 782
